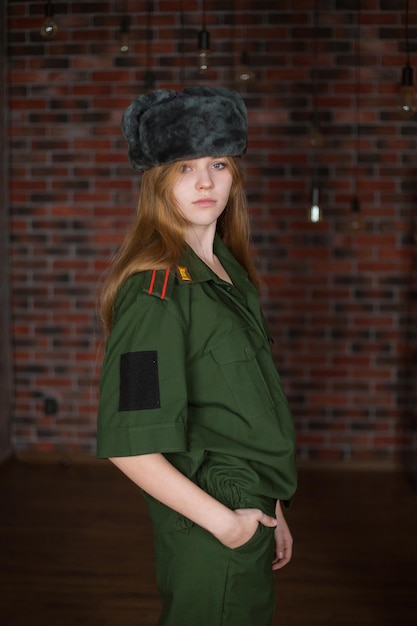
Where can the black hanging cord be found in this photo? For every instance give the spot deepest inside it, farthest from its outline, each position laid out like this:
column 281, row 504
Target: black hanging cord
column 315, row 69
column 203, row 15
column 149, row 75
column 358, row 62
column 407, row 41
column 182, row 40
column 148, row 33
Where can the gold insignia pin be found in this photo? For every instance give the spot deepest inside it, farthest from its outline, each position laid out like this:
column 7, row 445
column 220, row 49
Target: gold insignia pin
column 184, row 273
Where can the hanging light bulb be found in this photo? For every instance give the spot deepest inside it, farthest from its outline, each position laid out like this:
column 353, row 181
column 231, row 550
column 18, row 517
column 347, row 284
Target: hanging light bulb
column 49, row 27
column 356, row 221
column 203, row 44
column 314, row 214
column 124, row 35
column 408, row 93
column 203, row 50
column 244, row 72
column 316, row 138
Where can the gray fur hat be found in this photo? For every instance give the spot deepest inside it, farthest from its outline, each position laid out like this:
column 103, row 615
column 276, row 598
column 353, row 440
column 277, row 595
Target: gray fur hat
column 166, row 126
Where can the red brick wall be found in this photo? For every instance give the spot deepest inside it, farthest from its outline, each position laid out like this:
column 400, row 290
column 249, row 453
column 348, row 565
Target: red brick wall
column 342, row 305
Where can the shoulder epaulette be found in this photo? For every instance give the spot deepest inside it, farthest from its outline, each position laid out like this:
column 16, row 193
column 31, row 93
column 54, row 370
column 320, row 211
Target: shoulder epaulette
column 159, row 283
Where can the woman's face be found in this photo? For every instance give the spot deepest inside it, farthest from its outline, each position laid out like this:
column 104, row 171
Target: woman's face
column 202, row 190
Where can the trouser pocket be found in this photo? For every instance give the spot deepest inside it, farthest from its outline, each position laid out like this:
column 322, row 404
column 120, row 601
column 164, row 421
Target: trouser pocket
column 201, row 582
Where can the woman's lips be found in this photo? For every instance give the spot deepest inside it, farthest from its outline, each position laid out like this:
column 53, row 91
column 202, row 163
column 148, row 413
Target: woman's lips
column 205, row 202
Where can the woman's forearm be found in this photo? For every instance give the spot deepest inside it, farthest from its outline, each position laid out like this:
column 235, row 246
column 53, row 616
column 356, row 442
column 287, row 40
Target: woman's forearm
column 155, row 475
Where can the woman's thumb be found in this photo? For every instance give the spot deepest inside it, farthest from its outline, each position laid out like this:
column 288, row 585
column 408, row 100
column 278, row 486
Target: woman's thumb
column 267, row 520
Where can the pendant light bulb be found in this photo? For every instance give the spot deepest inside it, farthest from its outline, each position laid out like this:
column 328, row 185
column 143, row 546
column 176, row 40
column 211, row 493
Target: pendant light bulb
column 356, row 221
column 316, row 137
column 203, row 50
column 408, row 93
column 245, row 73
column 124, row 36
column 49, row 27
column 315, row 211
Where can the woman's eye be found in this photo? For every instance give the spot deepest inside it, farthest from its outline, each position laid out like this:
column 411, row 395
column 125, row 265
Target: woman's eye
column 219, row 165
column 185, row 168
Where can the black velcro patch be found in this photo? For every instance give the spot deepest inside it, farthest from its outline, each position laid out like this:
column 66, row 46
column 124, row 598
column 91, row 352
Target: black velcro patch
column 139, row 382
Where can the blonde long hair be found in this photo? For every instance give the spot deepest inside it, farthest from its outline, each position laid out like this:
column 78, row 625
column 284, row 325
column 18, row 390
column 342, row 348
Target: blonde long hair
column 156, row 237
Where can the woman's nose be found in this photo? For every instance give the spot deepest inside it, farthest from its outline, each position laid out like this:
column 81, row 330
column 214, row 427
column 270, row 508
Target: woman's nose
column 204, row 181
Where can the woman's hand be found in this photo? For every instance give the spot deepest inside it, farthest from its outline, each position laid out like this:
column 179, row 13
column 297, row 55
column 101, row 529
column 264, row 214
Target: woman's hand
column 283, row 541
column 244, row 525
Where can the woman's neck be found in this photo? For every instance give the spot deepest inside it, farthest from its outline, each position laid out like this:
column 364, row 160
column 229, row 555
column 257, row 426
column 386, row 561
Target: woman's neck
column 202, row 244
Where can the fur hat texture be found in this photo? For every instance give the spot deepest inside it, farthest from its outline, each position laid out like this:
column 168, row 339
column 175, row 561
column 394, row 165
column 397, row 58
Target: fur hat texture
column 166, row 126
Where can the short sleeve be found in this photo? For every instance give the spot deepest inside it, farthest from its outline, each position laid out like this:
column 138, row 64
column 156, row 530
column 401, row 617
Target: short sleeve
column 143, row 390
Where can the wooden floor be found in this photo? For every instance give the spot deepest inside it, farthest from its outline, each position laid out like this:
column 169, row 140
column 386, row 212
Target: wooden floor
column 76, row 549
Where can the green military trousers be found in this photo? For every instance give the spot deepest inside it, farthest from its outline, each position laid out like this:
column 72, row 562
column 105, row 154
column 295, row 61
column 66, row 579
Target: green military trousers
column 203, row 583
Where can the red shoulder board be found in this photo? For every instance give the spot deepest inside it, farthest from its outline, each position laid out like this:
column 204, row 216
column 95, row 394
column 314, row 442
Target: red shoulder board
column 159, row 283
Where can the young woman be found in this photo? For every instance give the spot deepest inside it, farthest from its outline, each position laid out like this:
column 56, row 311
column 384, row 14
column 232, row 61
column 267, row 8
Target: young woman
column 191, row 406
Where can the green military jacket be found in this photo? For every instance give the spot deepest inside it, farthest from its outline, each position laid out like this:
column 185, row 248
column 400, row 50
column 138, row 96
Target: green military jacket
column 188, row 372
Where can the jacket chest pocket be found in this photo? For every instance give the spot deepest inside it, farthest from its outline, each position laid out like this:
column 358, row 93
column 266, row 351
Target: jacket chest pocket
column 238, row 358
